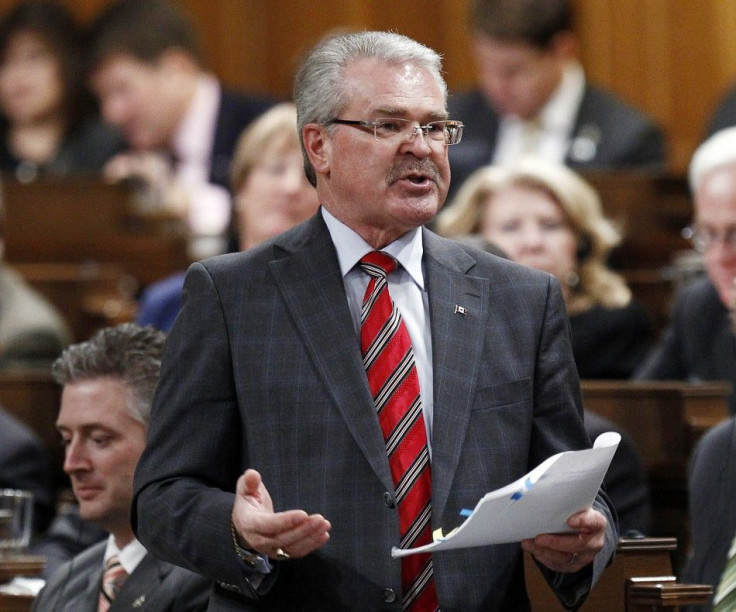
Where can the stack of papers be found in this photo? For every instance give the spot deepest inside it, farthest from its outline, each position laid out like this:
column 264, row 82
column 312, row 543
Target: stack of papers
column 539, row 502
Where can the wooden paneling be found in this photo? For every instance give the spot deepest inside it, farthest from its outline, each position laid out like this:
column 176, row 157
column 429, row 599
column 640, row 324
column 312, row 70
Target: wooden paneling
column 672, row 58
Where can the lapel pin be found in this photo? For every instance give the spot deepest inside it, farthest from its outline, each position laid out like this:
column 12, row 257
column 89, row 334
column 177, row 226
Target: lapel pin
column 460, row 310
column 139, row 601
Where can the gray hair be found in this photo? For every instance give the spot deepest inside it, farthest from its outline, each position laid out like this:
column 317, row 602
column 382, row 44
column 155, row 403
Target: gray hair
column 127, row 352
column 319, row 88
column 718, row 150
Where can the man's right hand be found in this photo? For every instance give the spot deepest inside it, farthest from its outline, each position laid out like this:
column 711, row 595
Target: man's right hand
column 293, row 532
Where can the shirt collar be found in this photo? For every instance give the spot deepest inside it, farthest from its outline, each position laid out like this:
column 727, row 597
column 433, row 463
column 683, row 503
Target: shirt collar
column 194, row 138
column 559, row 113
column 130, row 556
column 407, row 250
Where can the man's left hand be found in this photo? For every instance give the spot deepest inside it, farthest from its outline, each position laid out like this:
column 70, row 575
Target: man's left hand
column 570, row 552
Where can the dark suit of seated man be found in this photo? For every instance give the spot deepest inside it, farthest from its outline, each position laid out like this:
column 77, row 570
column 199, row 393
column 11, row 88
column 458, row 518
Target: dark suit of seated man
column 108, row 385
column 533, row 97
column 712, row 505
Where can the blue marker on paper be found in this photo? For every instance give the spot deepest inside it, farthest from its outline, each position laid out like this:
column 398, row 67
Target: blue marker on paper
column 465, row 512
column 519, row 494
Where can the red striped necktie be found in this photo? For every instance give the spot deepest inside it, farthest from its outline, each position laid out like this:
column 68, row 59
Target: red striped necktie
column 388, row 358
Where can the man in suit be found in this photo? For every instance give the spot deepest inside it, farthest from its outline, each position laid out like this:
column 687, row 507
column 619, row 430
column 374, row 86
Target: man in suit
column 287, row 487
column 712, row 497
column 698, row 344
column 533, row 98
column 180, row 124
column 108, row 385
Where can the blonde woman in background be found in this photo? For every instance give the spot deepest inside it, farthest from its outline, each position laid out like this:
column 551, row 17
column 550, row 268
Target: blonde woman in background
column 544, row 215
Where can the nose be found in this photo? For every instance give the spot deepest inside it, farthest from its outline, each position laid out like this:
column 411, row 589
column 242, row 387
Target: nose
column 531, row 237
column 75, row 457
column 418, row 143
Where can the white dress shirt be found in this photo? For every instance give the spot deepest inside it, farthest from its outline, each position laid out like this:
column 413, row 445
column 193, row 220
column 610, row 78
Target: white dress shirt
column 209, row 205
column 406, row 287
column 555, row 122
column 130, row 556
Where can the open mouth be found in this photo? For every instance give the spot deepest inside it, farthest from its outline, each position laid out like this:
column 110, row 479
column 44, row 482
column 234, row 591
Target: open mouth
column 417, row 179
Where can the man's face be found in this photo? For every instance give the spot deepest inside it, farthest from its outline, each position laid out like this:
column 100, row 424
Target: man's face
column 516, row 78
column 715, row 217
column 138, row 98
column 102, row 445
column 382, row 188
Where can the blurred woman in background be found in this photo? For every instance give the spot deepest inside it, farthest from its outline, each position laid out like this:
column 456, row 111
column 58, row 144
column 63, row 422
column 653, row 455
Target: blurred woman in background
column 47, row 119
column 545, row 216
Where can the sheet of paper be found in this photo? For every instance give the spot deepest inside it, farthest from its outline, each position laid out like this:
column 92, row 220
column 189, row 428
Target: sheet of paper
column 539, row 502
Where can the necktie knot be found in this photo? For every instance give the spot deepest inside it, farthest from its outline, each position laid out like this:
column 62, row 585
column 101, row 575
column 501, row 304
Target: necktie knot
column 378, row 264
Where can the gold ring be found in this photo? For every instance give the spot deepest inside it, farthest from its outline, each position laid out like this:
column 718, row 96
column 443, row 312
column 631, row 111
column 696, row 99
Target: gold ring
column 281, row 555
column 573, row 559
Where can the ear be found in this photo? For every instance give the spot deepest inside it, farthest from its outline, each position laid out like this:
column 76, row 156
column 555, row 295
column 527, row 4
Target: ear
column 317, row 144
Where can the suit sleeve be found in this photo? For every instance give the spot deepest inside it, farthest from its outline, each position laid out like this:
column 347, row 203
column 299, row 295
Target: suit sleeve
column 184, row 484
column 558, row 390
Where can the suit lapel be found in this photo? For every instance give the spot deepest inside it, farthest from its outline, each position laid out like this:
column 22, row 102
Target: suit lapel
column 309, row 279
column 458, row 306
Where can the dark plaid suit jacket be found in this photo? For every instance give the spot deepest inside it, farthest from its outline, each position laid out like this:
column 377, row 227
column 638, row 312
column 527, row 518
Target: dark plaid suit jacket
column 263, row 369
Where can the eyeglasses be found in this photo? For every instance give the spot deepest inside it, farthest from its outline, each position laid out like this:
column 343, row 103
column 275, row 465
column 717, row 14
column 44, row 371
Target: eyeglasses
column 448, row 132
column 704, row 238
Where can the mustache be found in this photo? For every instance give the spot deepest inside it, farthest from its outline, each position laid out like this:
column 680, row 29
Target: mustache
column 408, row 166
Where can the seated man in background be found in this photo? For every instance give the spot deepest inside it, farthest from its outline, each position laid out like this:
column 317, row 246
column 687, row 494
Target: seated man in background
column 698, row 343
column 271, row 193
column 32, row 332
column 533, row 98
column 179, row 123
column 108, row 384
column 712, row 497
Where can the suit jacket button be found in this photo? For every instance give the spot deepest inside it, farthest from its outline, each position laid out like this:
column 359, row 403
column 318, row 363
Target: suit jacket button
column 389, row 596
column 388, row 499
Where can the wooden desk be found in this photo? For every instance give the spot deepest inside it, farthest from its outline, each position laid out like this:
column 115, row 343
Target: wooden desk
column 647, row 561
column 83, row 219
column 665, row 420
column 21, row 565
column 89, row 295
